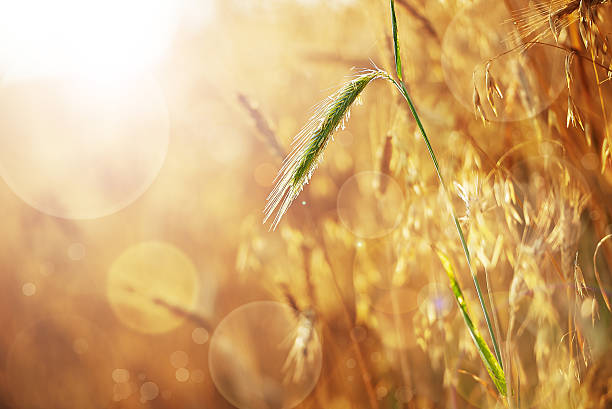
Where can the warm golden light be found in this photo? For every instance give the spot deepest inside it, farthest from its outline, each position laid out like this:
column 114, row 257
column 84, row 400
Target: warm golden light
column 98, row 40
column 148, row 282
column 451, row 249
column 73, row 150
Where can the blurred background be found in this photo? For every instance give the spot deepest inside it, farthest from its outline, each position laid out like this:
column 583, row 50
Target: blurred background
column 140, row 139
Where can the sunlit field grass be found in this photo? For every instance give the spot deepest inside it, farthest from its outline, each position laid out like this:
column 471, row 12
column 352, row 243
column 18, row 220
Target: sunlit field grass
column 281, row 204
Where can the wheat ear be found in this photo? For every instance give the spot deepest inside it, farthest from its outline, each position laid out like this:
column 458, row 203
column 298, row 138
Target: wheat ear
column 309, row 144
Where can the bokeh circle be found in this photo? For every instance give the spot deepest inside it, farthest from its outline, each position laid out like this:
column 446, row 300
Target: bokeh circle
column 78, row 150
column 370, row 204
column 152, row 287
column 250, row 357
column 530, row 78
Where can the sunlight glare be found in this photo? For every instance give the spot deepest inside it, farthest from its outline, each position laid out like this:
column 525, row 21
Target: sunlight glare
column 111, row 39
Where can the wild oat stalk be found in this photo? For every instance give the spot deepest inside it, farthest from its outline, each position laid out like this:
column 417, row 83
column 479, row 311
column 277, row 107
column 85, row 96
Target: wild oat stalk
column 311, row 141
column 538, row 20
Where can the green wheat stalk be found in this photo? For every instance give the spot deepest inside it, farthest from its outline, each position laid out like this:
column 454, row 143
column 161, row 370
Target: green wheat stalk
column 493, row 364
column 310, row 143
column 306, row 153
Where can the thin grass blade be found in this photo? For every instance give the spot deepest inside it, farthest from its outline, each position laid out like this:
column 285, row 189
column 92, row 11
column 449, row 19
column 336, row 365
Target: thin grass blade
column 493, row 367
column 396, row 48
column 402, row 89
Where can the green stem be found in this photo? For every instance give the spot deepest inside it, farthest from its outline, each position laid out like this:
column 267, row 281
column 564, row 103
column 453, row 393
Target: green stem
column 402, row 88
column 398, row 60
column 404, row 93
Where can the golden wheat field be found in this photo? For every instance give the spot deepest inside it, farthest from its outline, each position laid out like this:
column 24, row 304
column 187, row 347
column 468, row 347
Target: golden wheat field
column 277, row 204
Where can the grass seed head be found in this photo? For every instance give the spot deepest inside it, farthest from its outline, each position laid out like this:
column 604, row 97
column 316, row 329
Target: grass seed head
column 310, row 143
column 478, row 110
column 491, row 87
column 579, row 282
column 584, row 22
column 568, row 69
column 573, row 115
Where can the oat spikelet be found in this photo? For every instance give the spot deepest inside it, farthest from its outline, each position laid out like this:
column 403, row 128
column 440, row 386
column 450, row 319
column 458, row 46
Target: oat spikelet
column 302, row 341
column 579, row 282
column 309, row 144
column 385, row 163
column 478, row 110
column 540, row 19
column 573, row 115
column 491, row 87
column 584, row 22
column 568, row 70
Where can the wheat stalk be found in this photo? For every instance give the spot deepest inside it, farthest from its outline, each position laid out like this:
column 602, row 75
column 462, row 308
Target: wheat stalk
column 492, row 362
column 310, row 143
column 307, row 150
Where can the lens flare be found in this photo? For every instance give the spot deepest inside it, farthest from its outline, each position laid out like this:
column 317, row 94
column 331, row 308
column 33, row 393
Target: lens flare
column 147, row 283
column 110, row 39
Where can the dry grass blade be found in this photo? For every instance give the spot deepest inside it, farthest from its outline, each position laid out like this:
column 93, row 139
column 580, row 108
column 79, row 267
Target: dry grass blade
column 481, row 381
column 580, row 283
column 310, row 143
column 597, row 277
column 385, row 163
column 261, row 124
column 427, row 25
column 552, row 22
